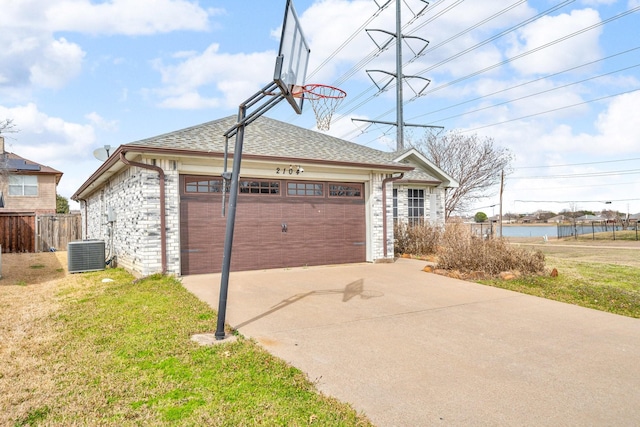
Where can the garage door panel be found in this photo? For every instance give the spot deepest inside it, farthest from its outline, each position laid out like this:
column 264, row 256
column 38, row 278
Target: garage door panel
column 270, row 211
column 314, row 211
column 319, row 231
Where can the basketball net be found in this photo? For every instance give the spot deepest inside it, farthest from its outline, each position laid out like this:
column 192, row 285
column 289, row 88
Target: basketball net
column 324, row 101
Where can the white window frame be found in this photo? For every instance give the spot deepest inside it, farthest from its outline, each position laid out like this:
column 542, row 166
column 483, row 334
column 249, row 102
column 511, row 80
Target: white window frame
column 23, row 185
column 412, row 210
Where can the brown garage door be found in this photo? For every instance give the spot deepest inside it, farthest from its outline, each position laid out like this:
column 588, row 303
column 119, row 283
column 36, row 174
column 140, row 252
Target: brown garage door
column 279, row 224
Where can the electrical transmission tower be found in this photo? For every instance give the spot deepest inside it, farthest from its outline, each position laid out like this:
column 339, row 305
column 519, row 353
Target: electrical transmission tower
column 399, row 77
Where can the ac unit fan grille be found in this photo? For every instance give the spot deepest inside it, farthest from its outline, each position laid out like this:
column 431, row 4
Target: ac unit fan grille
column 85, row 255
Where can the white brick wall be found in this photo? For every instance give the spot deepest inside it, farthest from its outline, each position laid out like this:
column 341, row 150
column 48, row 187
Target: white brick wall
column 377, row 250
column 134, row 197
column 436, row 217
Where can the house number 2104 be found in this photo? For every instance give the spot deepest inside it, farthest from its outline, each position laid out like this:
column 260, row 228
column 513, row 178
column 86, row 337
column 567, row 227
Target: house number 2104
column 289, row 170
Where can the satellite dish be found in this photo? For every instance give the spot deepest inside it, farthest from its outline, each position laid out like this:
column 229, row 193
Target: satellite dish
column 102, row 154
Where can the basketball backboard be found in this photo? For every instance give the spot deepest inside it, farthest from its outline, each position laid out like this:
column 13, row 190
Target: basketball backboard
column 293, row 58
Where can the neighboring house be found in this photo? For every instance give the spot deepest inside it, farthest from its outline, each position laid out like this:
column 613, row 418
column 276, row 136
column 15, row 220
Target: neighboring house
column 305, row 198
column 557, row 219
column 528, row 219
column 590, row 218
column 26, row 186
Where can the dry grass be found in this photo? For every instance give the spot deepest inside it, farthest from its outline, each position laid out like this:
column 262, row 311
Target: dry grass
column 455, row 248
column 28, row 300
column 104, row 349
column 416, row 240
column 461, row 251
column 608, row 252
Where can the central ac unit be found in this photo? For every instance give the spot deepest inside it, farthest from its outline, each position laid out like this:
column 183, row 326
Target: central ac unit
column 85, row 255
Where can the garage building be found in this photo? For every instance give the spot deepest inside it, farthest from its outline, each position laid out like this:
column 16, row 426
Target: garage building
column 305, row 198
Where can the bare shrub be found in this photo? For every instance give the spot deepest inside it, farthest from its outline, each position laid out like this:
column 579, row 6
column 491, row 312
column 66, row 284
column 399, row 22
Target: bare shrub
column 460, row 250
column 420, row 239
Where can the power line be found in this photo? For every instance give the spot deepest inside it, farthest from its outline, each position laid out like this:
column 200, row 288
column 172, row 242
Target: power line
column 549, row 111
column 578, row 164
column 523, row 54
column 534, row 94
column 484, row 42
column 545, row 77
column 575, row 201
column 581, row 175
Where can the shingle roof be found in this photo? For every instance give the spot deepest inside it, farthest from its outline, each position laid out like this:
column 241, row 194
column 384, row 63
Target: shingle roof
column 15, row 163
column 269, row 137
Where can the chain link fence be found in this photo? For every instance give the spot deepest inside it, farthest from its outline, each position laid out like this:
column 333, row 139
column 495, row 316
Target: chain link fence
column 603, row 229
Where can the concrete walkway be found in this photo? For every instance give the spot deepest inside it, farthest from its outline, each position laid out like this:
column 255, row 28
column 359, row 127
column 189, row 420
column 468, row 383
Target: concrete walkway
column 410, row 348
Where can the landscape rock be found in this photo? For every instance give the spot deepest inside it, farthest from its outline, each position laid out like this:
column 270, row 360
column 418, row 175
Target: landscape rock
column 507, row 275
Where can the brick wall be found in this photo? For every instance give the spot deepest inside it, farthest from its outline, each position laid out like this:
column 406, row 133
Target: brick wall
column 43, row 203
column 133, row 199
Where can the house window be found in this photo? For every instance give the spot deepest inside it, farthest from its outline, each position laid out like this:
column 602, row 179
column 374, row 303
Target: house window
column 23, row 185
column 415, row 203
column 198, row 185
column 259, row 187
column 395, row 205
column 345, row 190
column 295, row 188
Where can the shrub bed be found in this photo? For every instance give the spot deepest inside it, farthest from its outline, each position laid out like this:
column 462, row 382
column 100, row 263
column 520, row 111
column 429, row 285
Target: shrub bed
column 457, row 249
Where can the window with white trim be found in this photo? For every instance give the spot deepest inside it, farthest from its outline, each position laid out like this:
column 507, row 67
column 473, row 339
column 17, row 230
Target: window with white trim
column 23, row 185
column 415, row 202
column 395, row 205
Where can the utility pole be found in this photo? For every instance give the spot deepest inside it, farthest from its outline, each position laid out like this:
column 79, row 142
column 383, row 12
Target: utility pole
column 501, row 190
column 399, row 79
column 398, row 76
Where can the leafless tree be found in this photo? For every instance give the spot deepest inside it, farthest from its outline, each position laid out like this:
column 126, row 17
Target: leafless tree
column 6, row 126
column 475, row 162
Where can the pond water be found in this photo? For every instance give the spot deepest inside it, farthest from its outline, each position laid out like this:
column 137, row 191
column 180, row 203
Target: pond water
column 550, row 231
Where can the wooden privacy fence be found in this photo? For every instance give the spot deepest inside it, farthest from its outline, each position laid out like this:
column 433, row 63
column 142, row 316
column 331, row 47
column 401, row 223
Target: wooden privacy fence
column 17, row 233
column 54, row 232
column 41, row 233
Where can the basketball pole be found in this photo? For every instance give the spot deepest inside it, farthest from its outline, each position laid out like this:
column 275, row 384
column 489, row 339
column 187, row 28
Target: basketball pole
column 231, row 221
column 244, row 119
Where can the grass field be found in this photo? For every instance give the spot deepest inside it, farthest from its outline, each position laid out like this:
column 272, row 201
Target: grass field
column 103, row 349
column 604, row 275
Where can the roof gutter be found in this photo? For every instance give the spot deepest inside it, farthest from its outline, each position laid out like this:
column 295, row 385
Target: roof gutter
column 163, row 232
column 384, row 208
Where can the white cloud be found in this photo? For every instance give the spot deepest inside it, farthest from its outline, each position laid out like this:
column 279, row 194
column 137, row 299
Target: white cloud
column 570, row 52
column 34, row 57
column 189, row 101
column 40, row 61
column 127, row 17
column 618, row 125
column 46, row 139
column 234, row 77
column 60, row 62
column 99, row 122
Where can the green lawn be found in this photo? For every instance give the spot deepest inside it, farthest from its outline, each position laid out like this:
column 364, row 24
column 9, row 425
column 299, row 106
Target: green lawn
column 602, row 286
column 124, row 357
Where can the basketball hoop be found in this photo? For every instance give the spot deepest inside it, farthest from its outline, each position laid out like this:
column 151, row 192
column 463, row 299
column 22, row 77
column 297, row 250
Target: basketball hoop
column 324, row 100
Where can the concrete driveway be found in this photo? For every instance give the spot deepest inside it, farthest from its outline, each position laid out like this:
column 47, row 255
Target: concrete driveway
column 410, row 348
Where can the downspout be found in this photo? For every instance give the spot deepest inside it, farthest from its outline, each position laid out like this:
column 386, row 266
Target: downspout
column 384, row 208
column 86, row 220
column 163, row 236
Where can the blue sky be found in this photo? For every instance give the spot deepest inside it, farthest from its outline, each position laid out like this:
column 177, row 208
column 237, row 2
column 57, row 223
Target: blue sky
column 556, row 82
